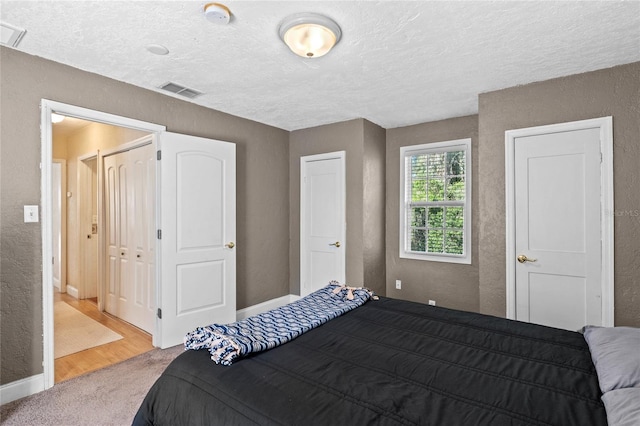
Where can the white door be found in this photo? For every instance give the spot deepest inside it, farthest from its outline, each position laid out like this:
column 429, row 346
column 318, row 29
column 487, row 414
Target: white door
column 88, row 218
column 197, row 216
column 140, row 293
column 129, row 216
column 557, row 228
column 322, row 221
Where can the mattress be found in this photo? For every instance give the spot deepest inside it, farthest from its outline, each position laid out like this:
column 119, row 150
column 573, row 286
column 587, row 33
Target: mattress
column 390, row 362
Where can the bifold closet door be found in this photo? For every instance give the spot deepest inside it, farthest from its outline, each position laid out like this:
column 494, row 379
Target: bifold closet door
column 129, row 214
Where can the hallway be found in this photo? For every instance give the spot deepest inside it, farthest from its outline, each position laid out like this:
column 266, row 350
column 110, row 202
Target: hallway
column 134, row 342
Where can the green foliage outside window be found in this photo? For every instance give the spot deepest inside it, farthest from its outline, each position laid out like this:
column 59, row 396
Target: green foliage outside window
column 438, row 188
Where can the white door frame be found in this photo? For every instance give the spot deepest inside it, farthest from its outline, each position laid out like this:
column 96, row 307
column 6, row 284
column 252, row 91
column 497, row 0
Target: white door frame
column 605, row 124
column 303, row 205
column 46, row 140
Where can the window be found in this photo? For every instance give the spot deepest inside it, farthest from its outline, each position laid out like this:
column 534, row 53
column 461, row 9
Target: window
column 435, row 201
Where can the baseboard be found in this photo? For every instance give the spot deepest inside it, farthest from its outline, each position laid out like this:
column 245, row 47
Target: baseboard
column 72, row 291
column 265, row 306
column 21, row 388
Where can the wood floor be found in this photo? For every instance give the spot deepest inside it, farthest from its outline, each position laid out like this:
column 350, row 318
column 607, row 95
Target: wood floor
column 134, row 342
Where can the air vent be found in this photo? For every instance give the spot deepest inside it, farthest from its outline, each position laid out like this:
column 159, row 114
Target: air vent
column 180, row 90
column 10, row 35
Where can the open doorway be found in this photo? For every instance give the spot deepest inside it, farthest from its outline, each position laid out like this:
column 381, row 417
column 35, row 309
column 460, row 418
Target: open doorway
column 79, row 139
column 89, row 333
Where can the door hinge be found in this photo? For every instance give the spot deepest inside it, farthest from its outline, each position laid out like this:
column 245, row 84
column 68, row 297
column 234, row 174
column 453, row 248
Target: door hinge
column 159, row 234
column 159, row 313
column 159, row 155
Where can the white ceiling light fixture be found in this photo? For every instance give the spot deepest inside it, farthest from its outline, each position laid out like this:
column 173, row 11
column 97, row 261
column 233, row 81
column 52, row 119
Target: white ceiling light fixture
column 310, row 35
column 217, row 13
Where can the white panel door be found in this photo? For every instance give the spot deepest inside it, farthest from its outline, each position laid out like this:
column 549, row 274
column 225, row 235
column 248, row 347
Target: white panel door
column 114, row 172
column 198, row 223
column 557, row 225
column 129, row 215
column 322, row 221
column 140, row 291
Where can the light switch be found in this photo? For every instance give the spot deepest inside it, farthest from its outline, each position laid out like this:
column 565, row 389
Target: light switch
column 31, row 214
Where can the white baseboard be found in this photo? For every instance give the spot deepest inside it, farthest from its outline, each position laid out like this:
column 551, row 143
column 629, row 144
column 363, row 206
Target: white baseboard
column 72, row 291
column 265, row 306
column 21, row 388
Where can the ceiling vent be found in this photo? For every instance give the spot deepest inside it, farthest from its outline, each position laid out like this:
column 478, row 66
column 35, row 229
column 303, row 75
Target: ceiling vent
column 180, row 90
column 10, row 35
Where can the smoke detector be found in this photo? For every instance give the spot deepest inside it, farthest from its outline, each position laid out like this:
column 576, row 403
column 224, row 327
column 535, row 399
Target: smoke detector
column 217, row 13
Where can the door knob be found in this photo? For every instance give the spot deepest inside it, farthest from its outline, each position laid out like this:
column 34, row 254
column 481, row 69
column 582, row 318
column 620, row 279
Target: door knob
column 522, row 258
column 230, row 245
column 336, row 244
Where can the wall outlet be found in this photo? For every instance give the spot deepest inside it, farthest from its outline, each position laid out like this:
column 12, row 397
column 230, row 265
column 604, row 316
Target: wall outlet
column 398, row 285
column 432, row 302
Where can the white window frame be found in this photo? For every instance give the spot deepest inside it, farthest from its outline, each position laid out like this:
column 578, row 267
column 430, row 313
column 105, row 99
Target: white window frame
column 430, row 148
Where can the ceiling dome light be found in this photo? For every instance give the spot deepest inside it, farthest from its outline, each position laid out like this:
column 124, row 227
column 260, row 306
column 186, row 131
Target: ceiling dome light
column 309, row 35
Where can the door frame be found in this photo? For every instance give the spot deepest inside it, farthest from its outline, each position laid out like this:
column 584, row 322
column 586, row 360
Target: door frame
column 605, row 125
column 46, row 141
column 304, row 160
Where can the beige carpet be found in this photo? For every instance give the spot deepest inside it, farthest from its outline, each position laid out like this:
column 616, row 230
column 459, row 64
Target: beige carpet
column 75, row 332
column 110, row 396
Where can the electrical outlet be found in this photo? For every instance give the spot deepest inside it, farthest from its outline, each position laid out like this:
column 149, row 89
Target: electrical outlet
column 432, row 302
column 398, row 285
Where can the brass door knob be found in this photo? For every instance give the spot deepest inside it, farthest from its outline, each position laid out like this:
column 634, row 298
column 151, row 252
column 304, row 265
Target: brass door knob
column 230, row 245
column 522, row 258
column 336, row 244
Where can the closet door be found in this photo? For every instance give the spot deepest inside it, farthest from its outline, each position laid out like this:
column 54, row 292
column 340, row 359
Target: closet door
column 116, row 217
column 129, row 208
column 140, row 294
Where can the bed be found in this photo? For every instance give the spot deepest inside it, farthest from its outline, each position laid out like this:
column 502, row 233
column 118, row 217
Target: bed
column 391, row 362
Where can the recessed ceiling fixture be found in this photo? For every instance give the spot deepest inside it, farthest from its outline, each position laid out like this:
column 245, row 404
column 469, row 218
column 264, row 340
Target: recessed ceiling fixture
column 157, row 49
column 310, row 35
column 217, row 13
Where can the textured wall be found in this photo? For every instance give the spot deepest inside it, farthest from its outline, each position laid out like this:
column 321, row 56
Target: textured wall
column 262, row 190
column 449, row 284
column 348, row 136
column 373, row 207
column 609, row 92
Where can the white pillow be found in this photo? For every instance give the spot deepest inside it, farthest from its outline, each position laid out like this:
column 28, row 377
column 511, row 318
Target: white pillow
column 615, row 352
column 623, row 407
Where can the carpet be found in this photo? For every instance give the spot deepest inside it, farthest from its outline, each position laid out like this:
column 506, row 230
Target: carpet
column 110, row 396
column 75, row 332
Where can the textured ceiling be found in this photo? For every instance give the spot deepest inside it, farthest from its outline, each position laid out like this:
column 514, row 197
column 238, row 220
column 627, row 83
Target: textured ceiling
column 398, row 63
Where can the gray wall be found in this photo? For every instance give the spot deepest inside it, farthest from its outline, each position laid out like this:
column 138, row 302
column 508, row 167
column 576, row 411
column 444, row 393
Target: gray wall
column 262, row 190
column 609, row 92
column 363, row 143
column 268, row 190
column 449, row 284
